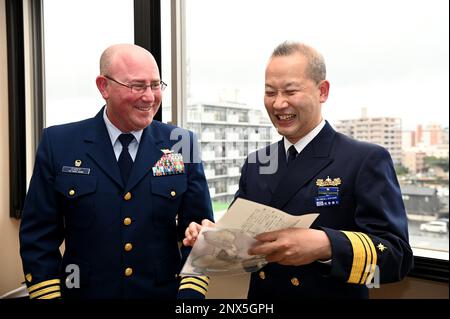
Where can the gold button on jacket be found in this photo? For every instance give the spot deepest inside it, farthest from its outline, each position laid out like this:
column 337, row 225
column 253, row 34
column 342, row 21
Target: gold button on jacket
column 127, row 221
column 127, row 196
column 295, row 281
column 128, row 247
column 262, row 275
column 128, row 271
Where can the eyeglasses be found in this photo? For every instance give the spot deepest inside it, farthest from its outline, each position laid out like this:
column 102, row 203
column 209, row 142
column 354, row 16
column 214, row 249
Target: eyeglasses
column 141, row 88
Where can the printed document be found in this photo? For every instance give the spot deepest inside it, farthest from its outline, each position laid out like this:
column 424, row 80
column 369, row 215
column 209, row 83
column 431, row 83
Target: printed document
column 222, row 250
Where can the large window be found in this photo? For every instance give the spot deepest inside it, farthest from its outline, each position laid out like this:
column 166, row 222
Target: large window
column 387, row 62
column 76, row 33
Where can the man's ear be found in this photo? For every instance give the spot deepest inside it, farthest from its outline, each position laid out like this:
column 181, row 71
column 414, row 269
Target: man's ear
column 102, row 85
column 324, row 88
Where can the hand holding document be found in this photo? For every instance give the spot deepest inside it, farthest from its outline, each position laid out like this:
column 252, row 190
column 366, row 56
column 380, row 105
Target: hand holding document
column 222, row 250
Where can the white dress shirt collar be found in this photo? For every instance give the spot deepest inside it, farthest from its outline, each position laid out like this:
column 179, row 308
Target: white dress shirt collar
column 114, row 133
column 303, row 142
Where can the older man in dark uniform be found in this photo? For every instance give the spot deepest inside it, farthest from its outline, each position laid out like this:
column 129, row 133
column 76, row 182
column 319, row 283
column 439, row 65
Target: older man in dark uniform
column 118, row 189
column 360, row 236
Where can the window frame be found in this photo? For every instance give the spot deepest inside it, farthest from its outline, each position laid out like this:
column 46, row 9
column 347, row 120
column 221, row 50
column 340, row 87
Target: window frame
column 16, row 106
column 430, row 269
column 147, row 32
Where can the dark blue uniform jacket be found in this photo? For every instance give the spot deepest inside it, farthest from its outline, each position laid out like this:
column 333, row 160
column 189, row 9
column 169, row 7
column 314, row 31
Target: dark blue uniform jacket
column 123, row 239
column 353, row 186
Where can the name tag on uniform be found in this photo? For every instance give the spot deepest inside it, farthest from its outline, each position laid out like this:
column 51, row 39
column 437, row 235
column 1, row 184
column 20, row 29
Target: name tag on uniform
column 76, row 170
column 328, row 200
column 328, row 190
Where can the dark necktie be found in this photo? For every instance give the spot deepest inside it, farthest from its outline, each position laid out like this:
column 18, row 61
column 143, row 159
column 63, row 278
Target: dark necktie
column 292, row 154
column 125, row 161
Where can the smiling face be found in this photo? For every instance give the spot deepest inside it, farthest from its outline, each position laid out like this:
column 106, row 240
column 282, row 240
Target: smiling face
column 131, row 65
column 292, row 99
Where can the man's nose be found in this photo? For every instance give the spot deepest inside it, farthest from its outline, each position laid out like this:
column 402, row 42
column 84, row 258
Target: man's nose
column 280, row 101
column 148, row 96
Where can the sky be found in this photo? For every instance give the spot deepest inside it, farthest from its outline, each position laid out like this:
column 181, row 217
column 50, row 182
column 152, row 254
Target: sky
column 389, row 56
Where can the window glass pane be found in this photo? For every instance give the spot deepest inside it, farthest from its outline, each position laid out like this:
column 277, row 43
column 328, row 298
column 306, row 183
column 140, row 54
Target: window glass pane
column 76, row 33
column 387, row 62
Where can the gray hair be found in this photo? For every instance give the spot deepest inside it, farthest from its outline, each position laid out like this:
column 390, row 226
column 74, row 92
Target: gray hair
column 316, row 63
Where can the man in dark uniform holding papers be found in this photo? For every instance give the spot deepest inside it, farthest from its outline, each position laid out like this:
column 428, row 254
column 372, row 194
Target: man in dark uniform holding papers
column 361, row 234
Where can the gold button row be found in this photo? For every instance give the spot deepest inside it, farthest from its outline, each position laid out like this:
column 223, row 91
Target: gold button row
column 127, row 196
column 294, row 280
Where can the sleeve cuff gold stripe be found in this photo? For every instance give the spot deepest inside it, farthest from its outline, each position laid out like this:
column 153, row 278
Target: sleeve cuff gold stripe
column 44, row 291
column 370, row 267
column 204, row 278
column 195, row 281
column 43, row 284
column 194, row 287
column 359, row 257
column 51, row 296
column 366, row 269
